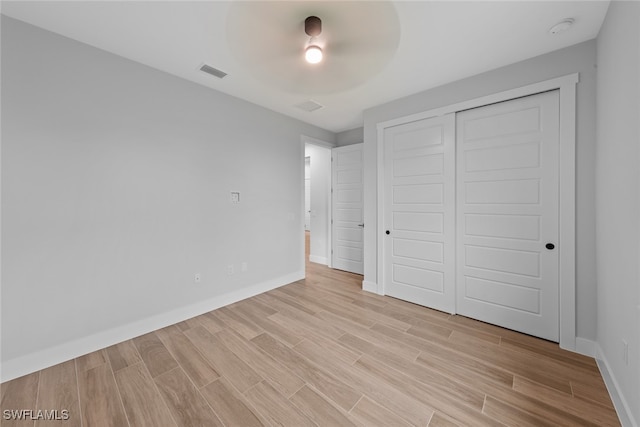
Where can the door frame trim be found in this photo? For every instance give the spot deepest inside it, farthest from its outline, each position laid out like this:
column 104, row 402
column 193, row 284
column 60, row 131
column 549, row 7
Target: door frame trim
column 567, row 190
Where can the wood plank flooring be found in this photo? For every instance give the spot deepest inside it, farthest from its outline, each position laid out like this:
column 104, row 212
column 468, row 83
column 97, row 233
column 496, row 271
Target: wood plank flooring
column 321, row 352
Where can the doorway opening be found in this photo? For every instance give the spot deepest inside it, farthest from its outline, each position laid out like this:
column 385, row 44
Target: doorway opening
column 317, row 201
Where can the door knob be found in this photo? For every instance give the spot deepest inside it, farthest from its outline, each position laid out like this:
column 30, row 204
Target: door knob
column 361, row 225
column 550, row 246
column 388, row 232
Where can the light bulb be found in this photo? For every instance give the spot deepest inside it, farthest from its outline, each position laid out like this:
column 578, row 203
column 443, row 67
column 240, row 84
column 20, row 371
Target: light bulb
column 313, row 54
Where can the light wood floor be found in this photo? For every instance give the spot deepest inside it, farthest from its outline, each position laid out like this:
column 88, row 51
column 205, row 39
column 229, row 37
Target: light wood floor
column 321, row 352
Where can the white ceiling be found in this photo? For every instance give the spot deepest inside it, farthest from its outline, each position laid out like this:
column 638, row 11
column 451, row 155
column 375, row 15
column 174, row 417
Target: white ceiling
column 440, row 42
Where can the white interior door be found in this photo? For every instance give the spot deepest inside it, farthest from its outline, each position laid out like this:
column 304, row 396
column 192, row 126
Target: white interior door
column 507, row 204
column 419, row 216
column 347, row 206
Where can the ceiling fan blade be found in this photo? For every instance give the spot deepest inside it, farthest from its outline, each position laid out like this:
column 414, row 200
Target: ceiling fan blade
column 363, row 44
column 357, row 39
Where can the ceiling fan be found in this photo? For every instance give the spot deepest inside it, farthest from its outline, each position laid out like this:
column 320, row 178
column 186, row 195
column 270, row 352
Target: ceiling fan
column 313, row 27
column 313, row 47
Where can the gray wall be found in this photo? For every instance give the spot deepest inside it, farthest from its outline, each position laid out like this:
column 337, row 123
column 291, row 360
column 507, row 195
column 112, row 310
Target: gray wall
column 579, row 58
column 116, row 183
column 618, row 197
column 350, row 137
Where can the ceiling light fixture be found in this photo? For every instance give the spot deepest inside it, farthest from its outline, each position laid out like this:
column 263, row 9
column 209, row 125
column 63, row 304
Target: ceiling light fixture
column 562, row 26
column 313, row 27
column 313, row 54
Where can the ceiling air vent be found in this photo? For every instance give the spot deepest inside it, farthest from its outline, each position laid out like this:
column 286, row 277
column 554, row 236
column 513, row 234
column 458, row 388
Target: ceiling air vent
column 309, row 106
column 213, row 71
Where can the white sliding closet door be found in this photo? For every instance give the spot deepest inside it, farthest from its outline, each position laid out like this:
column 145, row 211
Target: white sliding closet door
column 507, row 214
column 419, row 200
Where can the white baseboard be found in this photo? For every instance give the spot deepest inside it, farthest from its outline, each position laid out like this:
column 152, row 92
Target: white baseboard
column 42, row 359
column 370, row 287
column 619, row 402
column 585, row 347
column 318, row 259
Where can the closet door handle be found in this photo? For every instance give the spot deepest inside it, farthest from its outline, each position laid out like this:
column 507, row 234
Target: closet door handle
column 387, row 232
column 550, row 246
